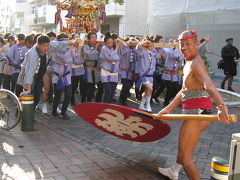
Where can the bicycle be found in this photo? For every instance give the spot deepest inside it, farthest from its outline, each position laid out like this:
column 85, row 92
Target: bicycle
column 10, row 110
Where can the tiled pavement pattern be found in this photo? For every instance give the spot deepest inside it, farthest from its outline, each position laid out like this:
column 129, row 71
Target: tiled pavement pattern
column 44, row 154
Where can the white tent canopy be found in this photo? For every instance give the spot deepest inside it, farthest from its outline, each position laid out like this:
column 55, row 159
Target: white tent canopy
column 219, row 18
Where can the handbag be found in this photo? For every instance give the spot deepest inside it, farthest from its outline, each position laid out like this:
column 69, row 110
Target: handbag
column 220, row 64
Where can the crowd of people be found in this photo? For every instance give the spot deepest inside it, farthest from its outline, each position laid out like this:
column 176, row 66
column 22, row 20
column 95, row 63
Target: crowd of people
column 48, row 65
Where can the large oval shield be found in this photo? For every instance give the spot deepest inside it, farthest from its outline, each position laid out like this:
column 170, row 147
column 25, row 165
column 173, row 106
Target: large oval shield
column 123, row 122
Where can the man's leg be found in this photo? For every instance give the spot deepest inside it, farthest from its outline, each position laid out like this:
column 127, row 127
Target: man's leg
column 99, row 94
column 175, row 89
column 107, row 92
column 67, row 98
column 224, row 80
column 75, row 81
column 168, row 93
column 45, row 94
column 230, row 81
column 37, row 89
column 160, row 89
column 113, row 90
column 1, row 79
column 147, row 95
column 50, row 93
column 13, row 82
column 6, row 82
column 190, row 133
column 90, row 91
column 129, row 84
column 83, row 90
column 124, row 92
column 47, row 82
column 56, row 99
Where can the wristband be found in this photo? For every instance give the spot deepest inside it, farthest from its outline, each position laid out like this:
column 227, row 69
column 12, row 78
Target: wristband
column 219, row 107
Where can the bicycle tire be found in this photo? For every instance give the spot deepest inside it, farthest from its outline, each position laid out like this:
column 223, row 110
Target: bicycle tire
column 19, row 108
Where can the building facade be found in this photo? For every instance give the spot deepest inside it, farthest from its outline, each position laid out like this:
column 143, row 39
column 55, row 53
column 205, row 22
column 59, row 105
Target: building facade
column 127, row 19
column 220, row 19
column 41, row 16
column 6, row 10
column 19, row 17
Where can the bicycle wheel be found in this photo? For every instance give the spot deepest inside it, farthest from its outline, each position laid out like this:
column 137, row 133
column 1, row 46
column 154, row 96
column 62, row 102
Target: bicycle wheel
column 10, row 110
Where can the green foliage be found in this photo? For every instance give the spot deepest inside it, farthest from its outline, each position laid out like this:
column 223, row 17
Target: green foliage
column 121, row 2
column 204, row 57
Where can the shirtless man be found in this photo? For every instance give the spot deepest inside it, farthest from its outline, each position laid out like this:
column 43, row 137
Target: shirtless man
column 195, row 99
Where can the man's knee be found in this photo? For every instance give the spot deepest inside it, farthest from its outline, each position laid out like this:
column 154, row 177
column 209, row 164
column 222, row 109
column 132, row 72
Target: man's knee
column 203, row 125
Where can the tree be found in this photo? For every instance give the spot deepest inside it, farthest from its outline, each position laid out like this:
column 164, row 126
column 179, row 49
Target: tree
column 121, row 2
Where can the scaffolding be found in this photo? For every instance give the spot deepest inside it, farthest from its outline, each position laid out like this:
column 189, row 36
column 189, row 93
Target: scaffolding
column 218, row 18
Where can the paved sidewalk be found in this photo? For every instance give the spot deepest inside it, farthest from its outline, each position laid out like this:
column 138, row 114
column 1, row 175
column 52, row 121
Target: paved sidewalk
column 44, row 154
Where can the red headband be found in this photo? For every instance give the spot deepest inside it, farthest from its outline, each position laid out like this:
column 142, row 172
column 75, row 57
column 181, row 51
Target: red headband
column 190, row 37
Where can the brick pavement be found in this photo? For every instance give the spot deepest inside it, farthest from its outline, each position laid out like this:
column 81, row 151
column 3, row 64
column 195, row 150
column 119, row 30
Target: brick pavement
column 44, row 154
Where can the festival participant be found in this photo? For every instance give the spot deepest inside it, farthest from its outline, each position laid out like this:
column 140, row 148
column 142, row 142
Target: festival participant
column 110, row 60
column 173, row 60
column 202, row 47
column 61, row 78
column 195, row 97
column 147, row 67
column 7, row 70
column 127, row 60
column 229, row 54
column 34, row 65
column 3, row 51
column 15, row 57
column 33, row 69
column 52, row 35
column 78, row 79
column 47, row 95
column 29, row 42
column 91, row 53
column 158, row 83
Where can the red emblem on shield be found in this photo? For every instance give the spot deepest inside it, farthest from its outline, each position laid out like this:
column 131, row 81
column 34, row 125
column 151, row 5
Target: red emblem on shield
column 123, row 122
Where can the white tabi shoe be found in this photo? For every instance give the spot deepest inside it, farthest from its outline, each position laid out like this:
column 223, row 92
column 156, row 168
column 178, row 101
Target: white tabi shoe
column 149, row 109
column 168, row 172
column 44, row 108
column 142, row 108
column 59, row 110
column 142, row 103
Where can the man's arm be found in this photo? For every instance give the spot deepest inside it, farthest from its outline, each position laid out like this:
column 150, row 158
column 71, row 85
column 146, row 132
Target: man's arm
column 200, row 72
column 30, row 68
column 10, row 54
column 237, row 54
column 173, row 105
